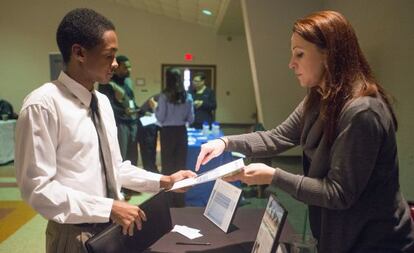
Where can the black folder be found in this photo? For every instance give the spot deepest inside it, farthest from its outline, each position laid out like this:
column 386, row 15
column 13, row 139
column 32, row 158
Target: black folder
column 158, row 224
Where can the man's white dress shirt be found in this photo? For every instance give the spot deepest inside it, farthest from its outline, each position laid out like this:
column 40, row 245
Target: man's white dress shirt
column 57, row 160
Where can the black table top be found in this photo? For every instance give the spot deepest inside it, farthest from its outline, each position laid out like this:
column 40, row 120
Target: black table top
column 240, row 237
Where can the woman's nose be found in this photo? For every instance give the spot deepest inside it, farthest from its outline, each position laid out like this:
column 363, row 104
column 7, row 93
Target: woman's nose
column 291, row 64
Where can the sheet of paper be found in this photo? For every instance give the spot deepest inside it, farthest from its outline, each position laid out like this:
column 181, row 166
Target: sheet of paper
column 211, row 175
column 188, row 232
column 148, row 120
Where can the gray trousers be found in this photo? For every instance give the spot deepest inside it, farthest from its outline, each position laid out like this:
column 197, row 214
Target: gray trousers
column 70, row 238
column 128, row 142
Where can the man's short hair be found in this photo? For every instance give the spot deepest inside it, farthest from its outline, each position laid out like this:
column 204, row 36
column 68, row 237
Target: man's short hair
column 121, row 58
column 201, row 75
column 81, row 26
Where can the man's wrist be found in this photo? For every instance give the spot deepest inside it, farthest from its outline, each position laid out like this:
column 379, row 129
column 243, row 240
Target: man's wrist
column 166, row 182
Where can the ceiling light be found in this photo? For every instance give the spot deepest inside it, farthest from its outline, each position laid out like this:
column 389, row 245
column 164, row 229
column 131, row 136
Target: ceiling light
column 207, row 12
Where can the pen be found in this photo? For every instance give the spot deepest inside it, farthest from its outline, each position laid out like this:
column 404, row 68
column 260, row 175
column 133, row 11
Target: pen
column 193, row 243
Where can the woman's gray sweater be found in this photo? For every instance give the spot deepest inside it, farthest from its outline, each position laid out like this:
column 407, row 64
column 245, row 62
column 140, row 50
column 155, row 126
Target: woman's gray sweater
column 352, row 186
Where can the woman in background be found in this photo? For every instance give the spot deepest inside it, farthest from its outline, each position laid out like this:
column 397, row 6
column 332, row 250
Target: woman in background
column 173, row 112
column 346, row 128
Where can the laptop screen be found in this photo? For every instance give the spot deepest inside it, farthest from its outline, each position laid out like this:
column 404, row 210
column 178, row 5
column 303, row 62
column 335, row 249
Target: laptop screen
column 271, row 226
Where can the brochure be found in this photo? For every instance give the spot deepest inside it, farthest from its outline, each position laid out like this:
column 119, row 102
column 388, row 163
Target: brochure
column 227, row 169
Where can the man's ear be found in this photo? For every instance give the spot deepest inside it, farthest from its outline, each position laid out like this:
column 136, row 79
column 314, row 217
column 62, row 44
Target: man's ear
column 78, row 53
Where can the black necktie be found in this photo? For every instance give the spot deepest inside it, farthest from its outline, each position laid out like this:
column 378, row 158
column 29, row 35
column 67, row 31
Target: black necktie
column 104, row 152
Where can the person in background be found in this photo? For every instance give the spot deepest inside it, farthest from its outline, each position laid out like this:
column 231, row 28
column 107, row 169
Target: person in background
column 204, row 101
column 121, row 95
column 147, row 137
column 346, row 127
column 6, row 110
column 68, row 163
column 173, row 111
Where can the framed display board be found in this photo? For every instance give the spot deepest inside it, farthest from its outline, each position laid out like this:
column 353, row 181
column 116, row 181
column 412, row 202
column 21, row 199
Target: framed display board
column 222, row 204
column 270, row 229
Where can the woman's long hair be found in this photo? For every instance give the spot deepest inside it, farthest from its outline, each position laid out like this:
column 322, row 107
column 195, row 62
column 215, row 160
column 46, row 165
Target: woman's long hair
column 174, row 89
column 345, row 67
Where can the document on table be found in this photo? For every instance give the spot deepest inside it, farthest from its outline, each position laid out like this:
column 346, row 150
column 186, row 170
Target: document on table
column 190, row 233
column 227, row 169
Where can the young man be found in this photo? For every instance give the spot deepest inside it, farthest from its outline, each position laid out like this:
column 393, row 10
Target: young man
column 68, row 164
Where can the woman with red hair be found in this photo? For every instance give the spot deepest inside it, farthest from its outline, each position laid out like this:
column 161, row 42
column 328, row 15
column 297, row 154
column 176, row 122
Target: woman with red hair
column 346, row 127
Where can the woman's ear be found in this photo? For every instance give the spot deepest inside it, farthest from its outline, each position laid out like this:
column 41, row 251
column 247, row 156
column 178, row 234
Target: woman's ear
column 325, row 58
column 78, row 53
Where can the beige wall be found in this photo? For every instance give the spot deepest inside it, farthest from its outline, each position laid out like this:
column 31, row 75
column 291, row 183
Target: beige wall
column 28, row 34
column 386, row 35
column 269, row 26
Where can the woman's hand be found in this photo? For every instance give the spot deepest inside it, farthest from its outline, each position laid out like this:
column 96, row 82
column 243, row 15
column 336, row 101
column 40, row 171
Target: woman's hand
column 254, row 174
column 210, row 150
column 152, row 103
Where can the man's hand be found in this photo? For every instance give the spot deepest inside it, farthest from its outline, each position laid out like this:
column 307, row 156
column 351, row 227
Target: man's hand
column 198, row 103
column 130, row 111
column 210, row 150
column 254, row 174
column 127, row 215
column 167, row 182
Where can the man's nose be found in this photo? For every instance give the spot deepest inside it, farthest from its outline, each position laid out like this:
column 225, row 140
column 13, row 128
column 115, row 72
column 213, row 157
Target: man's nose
column 114, row 64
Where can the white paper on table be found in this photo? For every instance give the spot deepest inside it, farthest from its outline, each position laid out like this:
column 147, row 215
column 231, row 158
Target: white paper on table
column 227, row 169
column 188, row 232
column 185, row 228
column 148, row 120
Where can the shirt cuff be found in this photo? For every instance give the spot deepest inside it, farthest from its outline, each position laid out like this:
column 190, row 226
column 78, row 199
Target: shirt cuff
column 154, row 185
